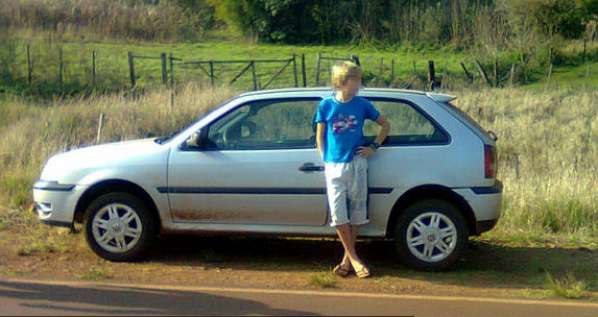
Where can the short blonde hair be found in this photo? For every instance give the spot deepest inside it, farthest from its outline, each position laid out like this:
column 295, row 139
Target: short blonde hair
column 343, row 72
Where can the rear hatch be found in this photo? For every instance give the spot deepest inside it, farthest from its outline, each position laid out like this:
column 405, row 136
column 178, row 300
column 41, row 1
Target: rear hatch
column 488, row 137
column 446, row 101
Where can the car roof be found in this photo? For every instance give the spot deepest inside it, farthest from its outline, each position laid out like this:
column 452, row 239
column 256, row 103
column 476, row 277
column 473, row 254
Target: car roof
column 367, row 90
column 325, row 89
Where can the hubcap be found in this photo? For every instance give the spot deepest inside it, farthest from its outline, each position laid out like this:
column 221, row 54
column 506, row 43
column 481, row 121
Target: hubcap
column 116, row 227
column 431, row 236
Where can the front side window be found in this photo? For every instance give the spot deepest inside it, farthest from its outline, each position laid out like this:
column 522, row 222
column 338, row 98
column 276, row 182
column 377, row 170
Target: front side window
column 265, row 124
column 408, row 126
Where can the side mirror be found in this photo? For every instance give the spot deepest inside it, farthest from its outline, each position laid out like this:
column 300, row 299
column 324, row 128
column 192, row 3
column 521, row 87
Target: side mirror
column 194, row 141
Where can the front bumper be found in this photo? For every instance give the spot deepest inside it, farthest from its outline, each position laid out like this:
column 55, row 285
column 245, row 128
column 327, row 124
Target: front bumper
column 55, row 203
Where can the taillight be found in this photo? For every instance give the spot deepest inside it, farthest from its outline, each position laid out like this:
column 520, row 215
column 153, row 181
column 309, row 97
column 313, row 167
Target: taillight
column 489, row 161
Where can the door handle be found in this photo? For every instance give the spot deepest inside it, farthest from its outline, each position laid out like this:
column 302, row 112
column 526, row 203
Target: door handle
column 311, row 167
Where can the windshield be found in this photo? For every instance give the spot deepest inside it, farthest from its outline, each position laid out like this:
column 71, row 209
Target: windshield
column 168, row 137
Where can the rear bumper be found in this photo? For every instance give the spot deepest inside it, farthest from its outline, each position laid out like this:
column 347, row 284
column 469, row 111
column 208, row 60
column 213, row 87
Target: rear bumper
column 485, row 225
column 486, row 204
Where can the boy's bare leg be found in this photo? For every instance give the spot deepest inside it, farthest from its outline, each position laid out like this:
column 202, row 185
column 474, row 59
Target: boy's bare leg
column 346, row 235
column 346, row 262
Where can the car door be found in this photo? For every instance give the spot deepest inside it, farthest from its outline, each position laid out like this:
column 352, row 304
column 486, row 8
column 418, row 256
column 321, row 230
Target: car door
column 257, row 164
column 411, row 154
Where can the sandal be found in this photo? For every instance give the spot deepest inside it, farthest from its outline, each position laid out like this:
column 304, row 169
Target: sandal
column 341, row 271
column 363, row 273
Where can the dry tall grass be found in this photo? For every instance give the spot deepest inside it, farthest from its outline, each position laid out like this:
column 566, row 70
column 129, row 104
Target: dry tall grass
column 547, row 147
column 106, row 19
column 32, row 133
column 548, row 154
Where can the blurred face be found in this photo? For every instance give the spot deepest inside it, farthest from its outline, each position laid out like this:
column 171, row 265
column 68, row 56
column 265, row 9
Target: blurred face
column 351, row 86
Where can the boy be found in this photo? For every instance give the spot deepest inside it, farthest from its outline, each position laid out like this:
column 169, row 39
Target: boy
column 340, row 141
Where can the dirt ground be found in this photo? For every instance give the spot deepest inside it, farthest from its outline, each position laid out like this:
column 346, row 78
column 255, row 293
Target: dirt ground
column 489, row 269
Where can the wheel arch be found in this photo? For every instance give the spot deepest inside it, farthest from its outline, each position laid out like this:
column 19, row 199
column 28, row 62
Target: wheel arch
column 426, row 192
column 111, row 186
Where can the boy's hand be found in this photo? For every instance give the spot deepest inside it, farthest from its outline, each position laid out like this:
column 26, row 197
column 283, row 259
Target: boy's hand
column 364, row 151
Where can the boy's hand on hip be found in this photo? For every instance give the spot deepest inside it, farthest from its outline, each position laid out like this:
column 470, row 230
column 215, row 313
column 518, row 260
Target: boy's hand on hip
column 365, row 151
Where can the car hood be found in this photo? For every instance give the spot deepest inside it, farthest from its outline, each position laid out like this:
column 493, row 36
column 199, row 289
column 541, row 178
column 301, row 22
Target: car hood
column 124, row 153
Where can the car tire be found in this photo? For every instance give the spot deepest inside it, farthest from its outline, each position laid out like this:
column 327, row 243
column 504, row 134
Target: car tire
column 119, row 227
column 443, row 230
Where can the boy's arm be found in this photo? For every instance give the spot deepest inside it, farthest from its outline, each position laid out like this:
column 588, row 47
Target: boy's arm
column 373, row 114
column 321, row 128
column 383, row 133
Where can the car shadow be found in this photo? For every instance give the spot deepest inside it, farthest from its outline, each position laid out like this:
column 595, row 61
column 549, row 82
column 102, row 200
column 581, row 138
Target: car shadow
column 64, row 299
column 482, row 264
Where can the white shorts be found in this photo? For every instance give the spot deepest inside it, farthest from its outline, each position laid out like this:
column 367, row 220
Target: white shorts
column 347, row 191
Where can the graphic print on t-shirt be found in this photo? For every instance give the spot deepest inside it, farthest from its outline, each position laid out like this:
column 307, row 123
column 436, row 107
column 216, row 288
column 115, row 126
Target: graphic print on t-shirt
column 341, row 123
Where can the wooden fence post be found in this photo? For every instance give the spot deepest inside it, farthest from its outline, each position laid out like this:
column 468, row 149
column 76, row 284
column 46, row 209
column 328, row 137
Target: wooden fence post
column 164, row 69
column 171, row 62
column 318, row 57
column 392, row 71
column 549, row 75
column 211, row 73
column 132, row 70
column 431, row 75
column 100, row 123
column 355, row 59
column 496, row 79
column 583, row 54
column 467, row 73
column 60, row 65
column 253, row 76
column 482, row 72
column 295, row 70
column 303, row 72
column 512, row 75
column 29, row 65
column 93, row 67
column 381, row 77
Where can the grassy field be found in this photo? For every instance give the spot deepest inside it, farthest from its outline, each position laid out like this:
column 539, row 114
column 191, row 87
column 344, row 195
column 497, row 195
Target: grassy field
column 547, row 147
column 410, row 64
column 544, row 244
column 547, row 152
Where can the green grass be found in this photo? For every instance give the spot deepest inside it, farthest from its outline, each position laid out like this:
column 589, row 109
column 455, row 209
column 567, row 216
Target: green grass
column 112, row 62
column 569, row 76
column 95, row 274
column 567, row 286
column 323, row 279
column 113, row 72
column 3, row 224
column 17, row 188
column 36, row 247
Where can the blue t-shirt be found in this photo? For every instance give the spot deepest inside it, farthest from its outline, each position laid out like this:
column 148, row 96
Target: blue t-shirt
column 344, row 126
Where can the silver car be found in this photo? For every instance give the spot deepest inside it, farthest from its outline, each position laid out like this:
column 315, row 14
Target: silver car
column 251, row 166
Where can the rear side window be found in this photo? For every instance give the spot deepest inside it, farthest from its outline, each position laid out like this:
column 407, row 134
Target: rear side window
column 408, row 125
column 467, row 118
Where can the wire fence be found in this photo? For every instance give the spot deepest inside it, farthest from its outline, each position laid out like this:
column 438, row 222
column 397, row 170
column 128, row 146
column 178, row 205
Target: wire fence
column 74, row 67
